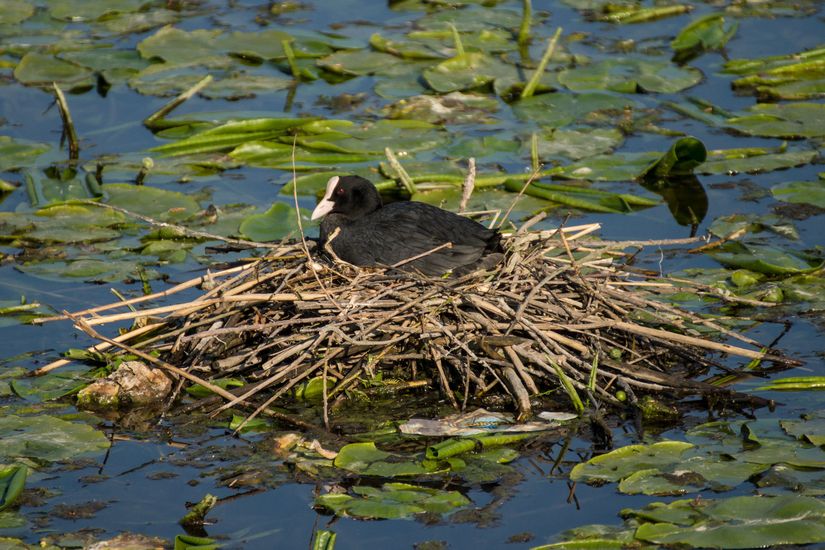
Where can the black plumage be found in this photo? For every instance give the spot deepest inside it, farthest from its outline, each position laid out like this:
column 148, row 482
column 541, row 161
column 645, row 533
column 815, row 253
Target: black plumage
column 373, row 234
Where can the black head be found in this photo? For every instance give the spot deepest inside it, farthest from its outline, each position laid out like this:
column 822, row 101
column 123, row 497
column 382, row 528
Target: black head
column 352, row 197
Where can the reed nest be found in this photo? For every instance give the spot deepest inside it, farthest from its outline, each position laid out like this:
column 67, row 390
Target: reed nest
column 561, row 314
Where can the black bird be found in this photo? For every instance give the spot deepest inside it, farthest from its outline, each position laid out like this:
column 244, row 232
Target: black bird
column 374, row 234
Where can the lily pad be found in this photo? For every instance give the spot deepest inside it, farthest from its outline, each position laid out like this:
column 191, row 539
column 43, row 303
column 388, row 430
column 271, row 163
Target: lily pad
column 276, row 223
column 13, row 12
column 467, row 71
column 48, row 438
column 579, row 143
column 150, row 201
column 41, row 70
column 81, row 10
column 392, row 501
column 732, row 162
column 560, row 109
column 624, row 461
column 631, row 75
column 766, row 259
column 801, row 192
column 16, row 153
column 783, row 120
column 366, row 459
column 737, row 522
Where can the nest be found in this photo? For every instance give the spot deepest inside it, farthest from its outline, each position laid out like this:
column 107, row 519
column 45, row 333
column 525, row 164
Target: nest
column 561, row 315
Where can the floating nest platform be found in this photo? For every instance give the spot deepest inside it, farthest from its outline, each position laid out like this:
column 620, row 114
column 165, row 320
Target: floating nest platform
column 561, row 316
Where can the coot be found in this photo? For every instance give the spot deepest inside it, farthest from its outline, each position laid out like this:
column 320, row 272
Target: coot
column 374, row 234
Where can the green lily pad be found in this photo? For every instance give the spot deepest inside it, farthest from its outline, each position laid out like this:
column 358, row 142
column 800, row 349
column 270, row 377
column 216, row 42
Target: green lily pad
column 13, row 12
column 468, row 71
column 705, row 34
column 276, row 223
column 51, row 386
column 48, row 438
column 16, row 153
column 453, row 108
column 80, row 10
column 615, row 167
column 579, row 143
column 765, row 259
column 783, row 120
column 729, row 162
column 357, row 62
column 150, row 201
column 801, row 192
column 90, row 269
column 726, row 227
column 366, row 459
column 691, row 475
column 631, row 75
column 127, row 23
column 737, row 522
column 559, row 109
column 392, row 501
column 38, row 69
column 624, row 461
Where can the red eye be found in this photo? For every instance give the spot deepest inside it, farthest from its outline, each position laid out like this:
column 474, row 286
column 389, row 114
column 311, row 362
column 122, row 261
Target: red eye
column 340, row 191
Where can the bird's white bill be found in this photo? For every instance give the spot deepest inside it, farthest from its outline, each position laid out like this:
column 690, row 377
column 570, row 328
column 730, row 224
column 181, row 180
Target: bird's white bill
column 326, row 205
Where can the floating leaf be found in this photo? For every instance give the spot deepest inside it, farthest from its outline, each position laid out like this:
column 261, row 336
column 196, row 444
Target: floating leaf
column 631, row 75
column 801, row 192
column 276, row 223
column 634, row 13
column 16, row 153
column 366, row 459
column 765, row 259
column 81, row 10
column 453, row 108
column 467, row 71
column 736, row 522
column 392, row 501
column 622, row 462
column 13, row 12
column 358, row 62
column 48, row 438
column 707, row 33
column 682, row 158
column 151, row 201
column 730, row 161
column 12, row 481
column 39, row 69
column 560, row 109
column 580, row 143
column 783, row 120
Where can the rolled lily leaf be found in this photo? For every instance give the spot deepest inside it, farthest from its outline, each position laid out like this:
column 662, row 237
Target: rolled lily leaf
column 684, row 155
column 12, row 481
column 592, row 200
column 705, row 34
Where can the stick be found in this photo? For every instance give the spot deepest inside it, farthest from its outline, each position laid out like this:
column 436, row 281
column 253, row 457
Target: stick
column 468, row 185
column 68, row 125
column 155, row 120
column 406, row 181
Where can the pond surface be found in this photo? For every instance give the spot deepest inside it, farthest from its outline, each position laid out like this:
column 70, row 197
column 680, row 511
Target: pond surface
column 153, row 469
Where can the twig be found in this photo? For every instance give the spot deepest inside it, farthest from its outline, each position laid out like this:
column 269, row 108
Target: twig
column 68, row 126
column 406, row 181
column 155, row 120
column 468, row 185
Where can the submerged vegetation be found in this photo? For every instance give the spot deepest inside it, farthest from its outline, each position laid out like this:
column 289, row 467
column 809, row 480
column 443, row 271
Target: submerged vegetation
column 521, row 116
